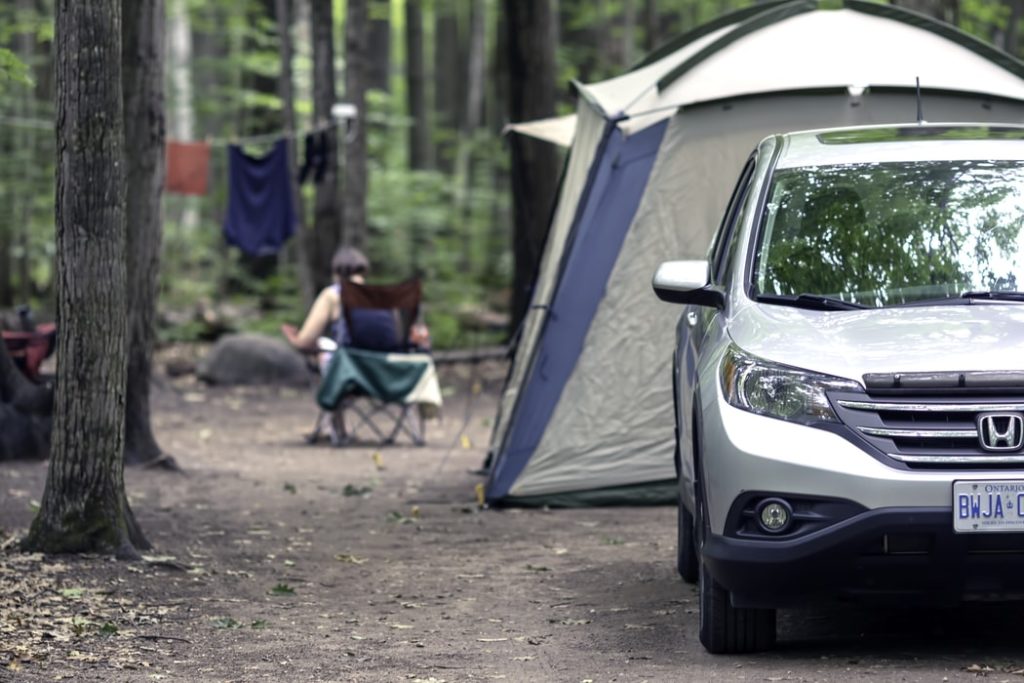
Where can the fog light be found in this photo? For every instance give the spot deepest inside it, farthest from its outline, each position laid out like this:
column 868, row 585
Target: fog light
column 774, row 515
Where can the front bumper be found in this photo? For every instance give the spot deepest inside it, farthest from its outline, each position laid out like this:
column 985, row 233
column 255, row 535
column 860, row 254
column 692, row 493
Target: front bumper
column 910, row 555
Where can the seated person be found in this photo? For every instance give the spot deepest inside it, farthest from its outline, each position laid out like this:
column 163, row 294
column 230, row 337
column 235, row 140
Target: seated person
column 325, row 317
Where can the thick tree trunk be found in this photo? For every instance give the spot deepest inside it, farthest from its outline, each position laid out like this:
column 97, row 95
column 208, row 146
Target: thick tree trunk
column 378, row 69
column 531, row 60
column 283, row 13
column 84, row 507
column 447, row 90
column 415, row 73
column 142, row 71
column 326, row 233
column 356, row 46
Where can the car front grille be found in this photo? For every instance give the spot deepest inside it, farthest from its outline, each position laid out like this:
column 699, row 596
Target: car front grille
column 929, row 431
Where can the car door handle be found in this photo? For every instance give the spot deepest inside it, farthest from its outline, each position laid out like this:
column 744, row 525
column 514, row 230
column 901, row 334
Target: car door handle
column 691, row 318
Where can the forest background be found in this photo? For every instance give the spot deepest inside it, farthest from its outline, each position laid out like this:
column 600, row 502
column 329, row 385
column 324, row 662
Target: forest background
column 425, row 177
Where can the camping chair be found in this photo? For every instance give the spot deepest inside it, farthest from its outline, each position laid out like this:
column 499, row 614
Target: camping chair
column 30, row 349
column 380, row 379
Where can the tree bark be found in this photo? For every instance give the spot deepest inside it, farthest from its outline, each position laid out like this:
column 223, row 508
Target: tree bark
column 415, row 73
column 84, row 507
column 472, row 114
column 531, row 61
column 628, row 33
column 447, row 90
column 1011, row 38
column 652, row 36
column 182, row 124
column 142, row 71
column 933, row 8
column 356, row 46
column 283, row 14
column 6, row 229
column 326, row 233
column 378, row 71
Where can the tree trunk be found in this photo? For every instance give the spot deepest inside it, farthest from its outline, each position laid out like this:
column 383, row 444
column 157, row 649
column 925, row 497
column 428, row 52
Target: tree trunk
column 652, row 37
column 628, row 33
column 84, row 507
column 378, row 70
column 354, row 231
column 182, row 124
column 531, row 61
column 1011, row 37
column 326, row 233
column 497, row 116
column 447, row 97
column 419, row 131
column 142, row 71
column 287, row 92
column 933, row 8
column 6, row 231
column 471, row 117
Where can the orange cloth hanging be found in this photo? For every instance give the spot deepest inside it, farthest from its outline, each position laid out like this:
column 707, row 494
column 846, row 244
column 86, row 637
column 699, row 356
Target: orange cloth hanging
column 188, row 167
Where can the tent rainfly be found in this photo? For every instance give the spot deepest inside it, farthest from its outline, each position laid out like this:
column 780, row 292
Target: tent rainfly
column 586, row 416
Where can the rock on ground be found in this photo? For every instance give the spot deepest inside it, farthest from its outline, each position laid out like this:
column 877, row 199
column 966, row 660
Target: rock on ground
column 240, row 359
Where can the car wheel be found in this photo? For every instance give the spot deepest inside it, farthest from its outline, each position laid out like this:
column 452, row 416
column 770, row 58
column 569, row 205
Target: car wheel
column 686, row 557
column 725, row 629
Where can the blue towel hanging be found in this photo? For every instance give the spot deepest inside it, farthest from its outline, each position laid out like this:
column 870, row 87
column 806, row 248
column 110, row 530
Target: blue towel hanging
column 260, row 215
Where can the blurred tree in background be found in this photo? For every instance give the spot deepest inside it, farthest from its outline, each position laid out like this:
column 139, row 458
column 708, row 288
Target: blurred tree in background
column 435, row 197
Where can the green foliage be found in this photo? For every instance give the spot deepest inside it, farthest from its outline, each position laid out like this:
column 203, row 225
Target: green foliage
column 450, row 224
column 226, row 623
column 886, row 234
column 12, row 70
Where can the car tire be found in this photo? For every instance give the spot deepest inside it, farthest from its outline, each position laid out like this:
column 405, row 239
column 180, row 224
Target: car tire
column 725, row 629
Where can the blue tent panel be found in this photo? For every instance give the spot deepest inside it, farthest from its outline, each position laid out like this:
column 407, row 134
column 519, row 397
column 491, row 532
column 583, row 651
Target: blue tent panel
column 616, row 184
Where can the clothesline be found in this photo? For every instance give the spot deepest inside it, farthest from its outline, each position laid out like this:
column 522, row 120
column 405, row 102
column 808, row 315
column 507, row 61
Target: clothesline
column 262, row 138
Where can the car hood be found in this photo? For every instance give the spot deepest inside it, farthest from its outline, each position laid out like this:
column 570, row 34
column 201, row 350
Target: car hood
column 976, row 336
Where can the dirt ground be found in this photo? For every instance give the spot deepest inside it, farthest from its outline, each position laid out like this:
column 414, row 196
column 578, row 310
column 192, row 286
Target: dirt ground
column 275, row 560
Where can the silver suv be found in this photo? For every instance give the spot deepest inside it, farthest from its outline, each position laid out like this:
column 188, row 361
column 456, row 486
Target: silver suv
column 849, row 377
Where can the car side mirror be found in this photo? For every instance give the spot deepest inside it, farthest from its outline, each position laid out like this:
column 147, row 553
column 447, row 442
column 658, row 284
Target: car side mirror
column 687, row 282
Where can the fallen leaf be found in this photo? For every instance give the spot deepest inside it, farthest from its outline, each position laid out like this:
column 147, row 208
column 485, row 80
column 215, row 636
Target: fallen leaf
column 351, row 559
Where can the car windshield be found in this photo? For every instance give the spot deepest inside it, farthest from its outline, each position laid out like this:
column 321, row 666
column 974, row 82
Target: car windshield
column 888, row 234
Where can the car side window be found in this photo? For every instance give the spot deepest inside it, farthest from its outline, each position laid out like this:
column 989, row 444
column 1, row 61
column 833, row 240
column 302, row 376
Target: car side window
column 722, row 250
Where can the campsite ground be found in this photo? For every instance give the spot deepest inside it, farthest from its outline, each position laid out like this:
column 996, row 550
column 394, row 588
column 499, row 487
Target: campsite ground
column 279, row 561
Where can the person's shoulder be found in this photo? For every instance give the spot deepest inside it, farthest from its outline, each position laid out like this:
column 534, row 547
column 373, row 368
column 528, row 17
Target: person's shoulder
column 330, row 292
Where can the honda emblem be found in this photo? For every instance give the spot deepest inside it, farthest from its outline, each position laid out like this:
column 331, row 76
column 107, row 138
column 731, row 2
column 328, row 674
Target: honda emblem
column 1001, row 431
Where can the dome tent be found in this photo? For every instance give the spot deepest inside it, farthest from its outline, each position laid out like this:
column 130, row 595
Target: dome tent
column 586, row 415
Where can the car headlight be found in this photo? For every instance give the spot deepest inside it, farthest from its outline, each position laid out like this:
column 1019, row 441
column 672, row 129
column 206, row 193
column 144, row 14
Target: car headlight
column 779, row 391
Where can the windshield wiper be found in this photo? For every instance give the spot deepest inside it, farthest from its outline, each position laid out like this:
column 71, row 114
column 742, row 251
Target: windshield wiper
column 994, row 296
column 815, row 302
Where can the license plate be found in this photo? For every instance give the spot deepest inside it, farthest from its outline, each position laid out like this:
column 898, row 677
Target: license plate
column 988, row 506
